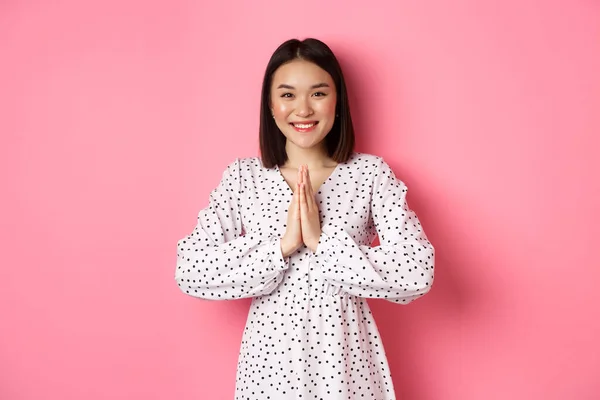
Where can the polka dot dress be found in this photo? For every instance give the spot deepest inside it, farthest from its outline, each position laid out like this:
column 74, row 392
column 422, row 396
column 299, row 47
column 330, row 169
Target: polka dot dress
column 310, row 333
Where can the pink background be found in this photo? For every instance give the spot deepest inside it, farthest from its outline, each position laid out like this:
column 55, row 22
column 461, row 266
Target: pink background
column 118, row 117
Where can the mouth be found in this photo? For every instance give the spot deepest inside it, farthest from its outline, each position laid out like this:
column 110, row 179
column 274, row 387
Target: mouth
column 304, row 126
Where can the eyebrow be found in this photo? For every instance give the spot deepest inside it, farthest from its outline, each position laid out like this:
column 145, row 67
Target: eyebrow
column 318, row 85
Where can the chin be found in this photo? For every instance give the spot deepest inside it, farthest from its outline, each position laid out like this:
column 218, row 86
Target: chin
column 307, row 144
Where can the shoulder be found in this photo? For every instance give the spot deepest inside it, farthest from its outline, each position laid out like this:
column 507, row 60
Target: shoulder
column 247, row 173
column 364, row 161
column 364, row 158
column 375, row 167
column 250, row 163
column 244, row 165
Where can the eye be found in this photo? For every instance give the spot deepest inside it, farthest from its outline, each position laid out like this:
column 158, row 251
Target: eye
column 320, row 94
column 286, row 95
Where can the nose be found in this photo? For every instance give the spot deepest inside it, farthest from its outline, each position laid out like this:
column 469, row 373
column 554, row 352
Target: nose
column 303, row 108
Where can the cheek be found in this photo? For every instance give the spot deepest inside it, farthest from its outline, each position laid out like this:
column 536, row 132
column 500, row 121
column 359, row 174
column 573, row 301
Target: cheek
column 327, row 107
column 280, row 109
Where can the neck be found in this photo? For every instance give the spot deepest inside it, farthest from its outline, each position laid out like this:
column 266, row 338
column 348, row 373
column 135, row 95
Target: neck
column 314, row 157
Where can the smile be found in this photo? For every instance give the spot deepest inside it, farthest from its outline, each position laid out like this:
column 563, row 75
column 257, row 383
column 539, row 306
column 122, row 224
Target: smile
column 304, row 127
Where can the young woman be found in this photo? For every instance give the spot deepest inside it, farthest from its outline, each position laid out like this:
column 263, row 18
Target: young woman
column 293, row 230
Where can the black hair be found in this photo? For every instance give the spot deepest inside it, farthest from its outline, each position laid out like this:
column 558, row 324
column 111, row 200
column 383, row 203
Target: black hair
column 340, row 140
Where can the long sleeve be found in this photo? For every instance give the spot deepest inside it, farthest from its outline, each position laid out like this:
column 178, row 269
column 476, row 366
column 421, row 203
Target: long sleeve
column 400, row 269
column 217, row 261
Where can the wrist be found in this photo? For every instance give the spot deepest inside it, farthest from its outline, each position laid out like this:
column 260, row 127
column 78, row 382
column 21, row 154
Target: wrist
column 286, row 248
column 313, row 245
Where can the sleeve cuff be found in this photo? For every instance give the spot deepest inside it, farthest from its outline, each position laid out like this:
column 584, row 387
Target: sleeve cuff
column 278, row 262
column 323, row 245
column 325, row 256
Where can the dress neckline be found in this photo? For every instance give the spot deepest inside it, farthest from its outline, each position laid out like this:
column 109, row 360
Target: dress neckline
column 320, row 188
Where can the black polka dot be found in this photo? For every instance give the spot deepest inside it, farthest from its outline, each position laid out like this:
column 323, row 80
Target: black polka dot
column 310, row 333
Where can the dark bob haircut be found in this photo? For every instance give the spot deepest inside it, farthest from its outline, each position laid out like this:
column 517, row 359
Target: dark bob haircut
column 340, row 140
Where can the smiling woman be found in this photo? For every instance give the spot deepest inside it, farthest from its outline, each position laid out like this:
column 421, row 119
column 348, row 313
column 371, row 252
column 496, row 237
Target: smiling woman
column 303, row 79
column 304, row 111
column 293, row 230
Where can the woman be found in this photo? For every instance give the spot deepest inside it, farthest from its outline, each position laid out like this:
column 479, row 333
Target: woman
column 293, row 230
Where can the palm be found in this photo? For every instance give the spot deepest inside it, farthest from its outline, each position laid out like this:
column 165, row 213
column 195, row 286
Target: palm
column 309, row 212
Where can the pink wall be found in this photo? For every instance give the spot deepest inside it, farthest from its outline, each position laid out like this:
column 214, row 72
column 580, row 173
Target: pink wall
column 118, row 118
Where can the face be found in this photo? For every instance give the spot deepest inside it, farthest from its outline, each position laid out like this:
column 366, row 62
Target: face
column 303, row 99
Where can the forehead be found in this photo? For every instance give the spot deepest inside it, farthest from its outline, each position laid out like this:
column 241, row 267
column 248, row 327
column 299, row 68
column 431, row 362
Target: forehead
column 301, row 73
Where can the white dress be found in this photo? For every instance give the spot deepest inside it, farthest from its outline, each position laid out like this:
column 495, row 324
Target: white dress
column 310, row 333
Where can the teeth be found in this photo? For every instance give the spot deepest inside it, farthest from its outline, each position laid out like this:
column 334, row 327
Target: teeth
column 303, row 126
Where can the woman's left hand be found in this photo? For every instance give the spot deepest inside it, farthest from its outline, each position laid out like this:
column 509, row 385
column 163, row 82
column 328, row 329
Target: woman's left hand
column 309, row 212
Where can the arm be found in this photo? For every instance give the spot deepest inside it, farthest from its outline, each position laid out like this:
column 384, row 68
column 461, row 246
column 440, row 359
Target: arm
column 400, row 269
column 216, row 262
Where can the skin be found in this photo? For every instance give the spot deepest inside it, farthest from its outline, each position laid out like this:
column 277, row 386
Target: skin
column 302, row 92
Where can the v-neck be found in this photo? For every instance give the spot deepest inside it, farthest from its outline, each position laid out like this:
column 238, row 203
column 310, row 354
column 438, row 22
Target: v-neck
column 287, row 185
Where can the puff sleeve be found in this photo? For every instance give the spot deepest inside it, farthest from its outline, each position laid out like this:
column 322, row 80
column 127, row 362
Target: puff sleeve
column 217, row 261
column 400, row 269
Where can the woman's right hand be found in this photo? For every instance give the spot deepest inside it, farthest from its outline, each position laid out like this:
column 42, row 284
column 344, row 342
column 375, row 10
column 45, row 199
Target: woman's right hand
column 292, row 239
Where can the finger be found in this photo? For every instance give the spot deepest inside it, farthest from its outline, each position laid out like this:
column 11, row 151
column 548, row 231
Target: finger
column 312, row 203
column 307, row 179
column 308, row 196
column 295, row 194
column 300, row 174
column 301, row 194
column 310, row 188
column 310, row 193
column 297, row 201
column 303, row 206
column 295, row 204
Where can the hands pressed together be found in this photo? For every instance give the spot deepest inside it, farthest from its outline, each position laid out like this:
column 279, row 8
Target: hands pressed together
column 303, row 223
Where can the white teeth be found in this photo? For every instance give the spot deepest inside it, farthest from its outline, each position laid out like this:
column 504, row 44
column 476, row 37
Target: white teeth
column 303, row 126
